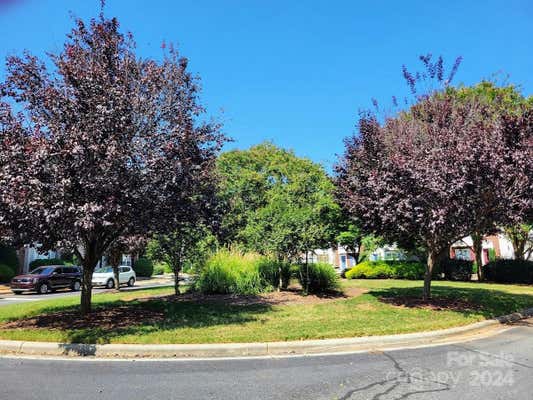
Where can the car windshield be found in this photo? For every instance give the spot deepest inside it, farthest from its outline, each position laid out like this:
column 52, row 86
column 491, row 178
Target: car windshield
column 104, row 270
column 42, row 271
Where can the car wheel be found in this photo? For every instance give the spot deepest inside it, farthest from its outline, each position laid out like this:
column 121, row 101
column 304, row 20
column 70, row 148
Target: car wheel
column 17, row 292
column 43, row 288
column 110, row 284
column 76, row 286
column 131, row 281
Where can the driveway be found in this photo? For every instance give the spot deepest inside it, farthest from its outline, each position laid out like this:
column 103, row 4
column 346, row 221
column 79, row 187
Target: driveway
column 500, row 367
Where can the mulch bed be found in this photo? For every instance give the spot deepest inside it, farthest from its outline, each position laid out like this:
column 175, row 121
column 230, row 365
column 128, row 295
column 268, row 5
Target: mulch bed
column 105, row 318
column 291, row 296
column 437, row 304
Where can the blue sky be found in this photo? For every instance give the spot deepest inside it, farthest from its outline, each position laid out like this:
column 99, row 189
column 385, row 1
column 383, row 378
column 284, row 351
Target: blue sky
column 297, row 72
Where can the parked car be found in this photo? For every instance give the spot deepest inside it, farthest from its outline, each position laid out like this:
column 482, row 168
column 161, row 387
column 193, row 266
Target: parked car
column 105, row 277
column 47, row 279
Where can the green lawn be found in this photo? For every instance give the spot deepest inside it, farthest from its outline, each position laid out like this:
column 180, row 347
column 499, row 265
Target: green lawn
column 385, row 309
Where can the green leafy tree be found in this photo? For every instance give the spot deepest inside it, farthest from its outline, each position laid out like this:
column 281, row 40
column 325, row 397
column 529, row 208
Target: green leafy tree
column 350, row 237
column 277, row 203
column 188, row 243
column 521, row 236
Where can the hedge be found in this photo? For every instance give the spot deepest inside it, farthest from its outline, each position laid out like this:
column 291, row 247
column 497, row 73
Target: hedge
column 143, row 267
column 6, row 273
column 509, row 271
column 457, row 270
column 43, row 262
column 8, row 257
column 387, row 270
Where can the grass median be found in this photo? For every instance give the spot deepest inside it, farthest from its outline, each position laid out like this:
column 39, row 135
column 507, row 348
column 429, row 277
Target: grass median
column 368, row 307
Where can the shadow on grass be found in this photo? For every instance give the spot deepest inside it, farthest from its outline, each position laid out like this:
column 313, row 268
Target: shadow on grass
column 489, row 303
column 137, row 317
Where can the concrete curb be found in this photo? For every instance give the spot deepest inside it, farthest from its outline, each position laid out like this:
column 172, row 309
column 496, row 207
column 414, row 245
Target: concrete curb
column 304, row 347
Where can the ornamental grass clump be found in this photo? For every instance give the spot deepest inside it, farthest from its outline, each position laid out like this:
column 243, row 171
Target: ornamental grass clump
column 231, row 272
column 318, row 278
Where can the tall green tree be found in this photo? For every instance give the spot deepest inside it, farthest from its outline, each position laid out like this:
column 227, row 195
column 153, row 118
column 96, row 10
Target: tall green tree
column 521, row 236
column 188, row 242
column 277, row 203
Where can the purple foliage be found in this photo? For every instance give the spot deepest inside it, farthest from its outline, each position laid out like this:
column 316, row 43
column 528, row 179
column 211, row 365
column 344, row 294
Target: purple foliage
column 109, row 146
column 437, row 173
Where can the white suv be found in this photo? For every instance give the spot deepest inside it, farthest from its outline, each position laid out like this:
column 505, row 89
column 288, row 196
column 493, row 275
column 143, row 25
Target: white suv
column 105, row 277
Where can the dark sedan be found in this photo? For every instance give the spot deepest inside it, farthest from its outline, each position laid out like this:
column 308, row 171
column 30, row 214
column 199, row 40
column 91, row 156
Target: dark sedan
column 47, row 279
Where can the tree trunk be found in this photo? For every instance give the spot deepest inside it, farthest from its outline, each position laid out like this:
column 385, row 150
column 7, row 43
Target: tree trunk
column 117, row 277
column 306, row 273
column 519, row 248
column 176, row 281
column 357, row 252
column 477, row 246
column 86, row 287
column 176, row 268
column 280, row 283
column 431, row 261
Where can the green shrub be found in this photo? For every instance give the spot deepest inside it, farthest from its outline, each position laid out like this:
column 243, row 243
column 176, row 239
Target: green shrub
column 43, row 262
column 492, row 255
column 160, row 268
column 6, row 273
column 8, row 257
column 318, row 277
column 509, row 271
column 143, row 267
column 232, row 272
column 387, row 270
column 457, row 270
column 271, row 271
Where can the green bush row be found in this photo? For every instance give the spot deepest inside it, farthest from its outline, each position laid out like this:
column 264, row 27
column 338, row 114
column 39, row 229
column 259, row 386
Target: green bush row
column 456, row 270
column 509, row 271
column 6, row 273
column 387, row 270
column 8, row 257
column 43, row 262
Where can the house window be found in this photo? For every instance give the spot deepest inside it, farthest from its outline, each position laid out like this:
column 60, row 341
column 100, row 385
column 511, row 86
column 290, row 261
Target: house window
column 126, row 260
column 462, row 254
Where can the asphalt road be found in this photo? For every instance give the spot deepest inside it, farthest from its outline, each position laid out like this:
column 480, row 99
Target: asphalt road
column 29, row 297
column 500, row 367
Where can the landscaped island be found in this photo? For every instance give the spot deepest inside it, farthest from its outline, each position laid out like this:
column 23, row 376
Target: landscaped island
column 363, row 307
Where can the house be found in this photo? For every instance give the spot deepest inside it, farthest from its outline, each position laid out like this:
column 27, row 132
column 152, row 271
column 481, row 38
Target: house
column 27, row 254
column 493, row 246
column 341, row 258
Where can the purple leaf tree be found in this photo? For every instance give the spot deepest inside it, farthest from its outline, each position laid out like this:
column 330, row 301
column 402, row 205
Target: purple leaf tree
column 428, row 175
column 106, row 145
